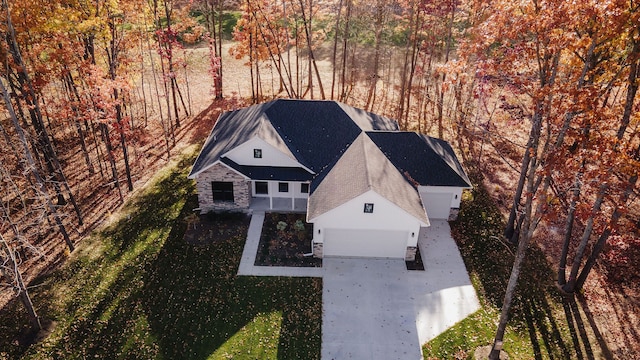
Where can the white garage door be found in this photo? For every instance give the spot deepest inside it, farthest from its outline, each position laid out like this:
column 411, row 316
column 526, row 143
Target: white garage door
column 365, row 243
column 437, row 204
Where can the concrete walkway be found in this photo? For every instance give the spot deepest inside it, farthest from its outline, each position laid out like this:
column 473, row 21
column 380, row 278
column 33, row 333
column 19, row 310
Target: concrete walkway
column 247, row 263
column 376, row 308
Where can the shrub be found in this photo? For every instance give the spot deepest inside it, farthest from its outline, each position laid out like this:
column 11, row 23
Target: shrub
column 299, row 225
column 281, row 225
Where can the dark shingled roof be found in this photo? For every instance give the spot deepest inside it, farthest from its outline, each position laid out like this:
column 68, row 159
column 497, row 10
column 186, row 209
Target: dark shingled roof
column 314, row 132
column 422, row 159
column 349, row 151
column 318, row 132
column 361, row 168
column 270, row 172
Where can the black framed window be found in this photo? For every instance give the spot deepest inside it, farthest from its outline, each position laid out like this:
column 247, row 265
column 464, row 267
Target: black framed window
column 262, row 187
column 257, row 153
column 283, row 187
column 368, row 208
column 222, row 190
column 304, row 188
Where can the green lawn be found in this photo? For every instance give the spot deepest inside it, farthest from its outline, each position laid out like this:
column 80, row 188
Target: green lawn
column 137, row 290
column 538, row 326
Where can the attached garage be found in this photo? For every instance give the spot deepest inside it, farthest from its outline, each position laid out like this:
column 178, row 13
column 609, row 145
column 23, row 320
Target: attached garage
column 365, row 243
column 437, row 205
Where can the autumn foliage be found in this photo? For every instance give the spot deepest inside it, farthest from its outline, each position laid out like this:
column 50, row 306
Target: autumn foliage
column 546, row 88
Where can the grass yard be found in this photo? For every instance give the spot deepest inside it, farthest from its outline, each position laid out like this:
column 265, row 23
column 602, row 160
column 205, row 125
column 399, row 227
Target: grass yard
column 137, row 290
column 538, row 327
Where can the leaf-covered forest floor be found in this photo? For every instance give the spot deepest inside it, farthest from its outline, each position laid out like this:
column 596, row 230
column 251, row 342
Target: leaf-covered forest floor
column 609, row 311
column 97, row 197
column 605, row 317
column 138, row 289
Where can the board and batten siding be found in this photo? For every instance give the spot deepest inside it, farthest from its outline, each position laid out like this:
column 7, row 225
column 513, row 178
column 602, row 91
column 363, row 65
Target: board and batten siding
column 271, row 156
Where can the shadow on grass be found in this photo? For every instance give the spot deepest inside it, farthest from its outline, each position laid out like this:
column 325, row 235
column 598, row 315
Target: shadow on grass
column 195, row 303
column 138, row 290
column 537, row 327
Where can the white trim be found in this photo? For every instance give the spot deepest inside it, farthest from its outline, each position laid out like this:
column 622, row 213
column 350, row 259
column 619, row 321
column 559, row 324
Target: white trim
column 275, row 149
column 384, row 199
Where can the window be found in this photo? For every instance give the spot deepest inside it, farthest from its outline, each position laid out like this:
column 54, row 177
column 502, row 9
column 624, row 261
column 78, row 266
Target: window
column 368, row 208
column 222, row 190
column 283, row 187
column 257, row 153
column 262, row 187
column 304, row 188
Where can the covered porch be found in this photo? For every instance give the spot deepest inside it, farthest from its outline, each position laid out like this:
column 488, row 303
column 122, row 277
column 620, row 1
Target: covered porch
column 283, row 204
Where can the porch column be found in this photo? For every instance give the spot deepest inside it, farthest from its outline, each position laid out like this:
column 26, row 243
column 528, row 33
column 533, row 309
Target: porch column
column 270, row 202
column 293, row 196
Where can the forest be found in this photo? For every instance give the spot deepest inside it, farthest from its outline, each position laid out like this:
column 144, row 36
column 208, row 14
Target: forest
column 538, row 98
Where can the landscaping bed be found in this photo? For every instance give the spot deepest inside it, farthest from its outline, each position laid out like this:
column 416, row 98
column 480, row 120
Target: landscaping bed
column 285, row 240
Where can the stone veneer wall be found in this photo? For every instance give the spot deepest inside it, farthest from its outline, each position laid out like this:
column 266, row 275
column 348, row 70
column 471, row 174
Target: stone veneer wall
column 219, row 172
column 411, row 253
column 317, row 250
column 453, row 214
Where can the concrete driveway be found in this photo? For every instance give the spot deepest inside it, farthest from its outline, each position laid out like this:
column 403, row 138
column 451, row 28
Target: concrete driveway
column 367, row 310
column 376, row 309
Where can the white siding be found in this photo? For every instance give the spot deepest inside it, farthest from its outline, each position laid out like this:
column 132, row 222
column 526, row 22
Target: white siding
column 243, row 155
column 386, row 216
column 456, row 193
column 274, row 190
column 365, row 243
column 437, row 205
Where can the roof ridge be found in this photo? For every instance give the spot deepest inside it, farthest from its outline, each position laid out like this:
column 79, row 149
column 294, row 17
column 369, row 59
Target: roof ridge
column 366, row 160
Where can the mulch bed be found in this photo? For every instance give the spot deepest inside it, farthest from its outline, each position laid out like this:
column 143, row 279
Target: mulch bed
column 284, row 240
column 212, row 227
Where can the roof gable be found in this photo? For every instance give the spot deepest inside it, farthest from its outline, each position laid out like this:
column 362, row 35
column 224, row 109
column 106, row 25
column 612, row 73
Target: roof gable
column 234, row 128
column 317, row 132
column 314, row 132
column 361, row 168
column 270, row 156
column 422, row 159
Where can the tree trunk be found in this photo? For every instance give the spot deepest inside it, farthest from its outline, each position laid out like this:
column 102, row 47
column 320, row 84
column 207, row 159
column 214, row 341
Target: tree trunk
column 307, row 30
column 112, row 161
column 371, row 94
column 602, row 239
column 586, row 235
column 335, row 50
column 219, row 94
column 345, row 37
column 276, row 59
column 16, row 279
column 31, row 99
column 404, row 83
column 32, row 165
column 568, row 231
column 525, row 234
column 113, row 53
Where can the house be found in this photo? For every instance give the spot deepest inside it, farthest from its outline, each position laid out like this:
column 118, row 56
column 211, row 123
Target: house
column 367, row 187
